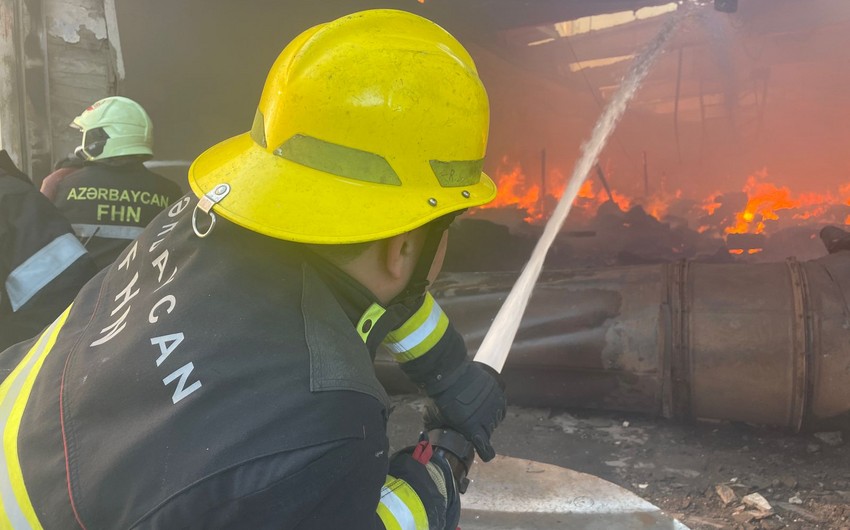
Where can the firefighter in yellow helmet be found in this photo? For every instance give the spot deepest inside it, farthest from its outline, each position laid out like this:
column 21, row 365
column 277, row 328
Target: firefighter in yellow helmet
column 105, row 191
column 219, row 374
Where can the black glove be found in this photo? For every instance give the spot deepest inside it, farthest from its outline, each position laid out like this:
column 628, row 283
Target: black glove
column 473, row 404
column 468, row 396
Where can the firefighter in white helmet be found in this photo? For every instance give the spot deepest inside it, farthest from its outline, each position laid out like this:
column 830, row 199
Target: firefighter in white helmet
column 219, row 374
column 106, row 192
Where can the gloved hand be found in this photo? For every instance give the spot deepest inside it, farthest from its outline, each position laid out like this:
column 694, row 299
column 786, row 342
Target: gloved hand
column 473, row 404
column 468, row 396
column 429, row 474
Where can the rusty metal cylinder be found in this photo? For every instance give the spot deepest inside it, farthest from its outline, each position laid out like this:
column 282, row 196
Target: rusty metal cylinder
column 763, row 343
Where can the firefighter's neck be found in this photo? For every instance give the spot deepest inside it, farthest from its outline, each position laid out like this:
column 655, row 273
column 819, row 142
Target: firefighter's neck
column 385, row 267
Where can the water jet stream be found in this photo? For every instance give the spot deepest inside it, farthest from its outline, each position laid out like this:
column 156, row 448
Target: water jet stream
column 497, row 343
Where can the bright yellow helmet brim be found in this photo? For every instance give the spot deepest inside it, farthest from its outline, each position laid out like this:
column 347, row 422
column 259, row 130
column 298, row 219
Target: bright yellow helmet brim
column 297, row 203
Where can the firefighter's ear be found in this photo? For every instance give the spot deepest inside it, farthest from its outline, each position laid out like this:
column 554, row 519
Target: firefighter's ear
column 385, row 267
column 401, row 253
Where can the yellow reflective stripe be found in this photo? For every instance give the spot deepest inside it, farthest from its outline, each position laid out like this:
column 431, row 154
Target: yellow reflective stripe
column 258, row 129
column 400, row 507
column 420, row 333
column 458, row 172
column 368, row 320
column 18, row 512
column 338, row 160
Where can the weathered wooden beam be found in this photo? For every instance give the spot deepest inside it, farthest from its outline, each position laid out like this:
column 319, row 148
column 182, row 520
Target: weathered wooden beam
column 11, row 126
column 84, row 62
column 71, row 59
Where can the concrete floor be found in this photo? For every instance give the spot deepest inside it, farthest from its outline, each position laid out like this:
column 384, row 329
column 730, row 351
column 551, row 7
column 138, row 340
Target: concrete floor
column 518, row 491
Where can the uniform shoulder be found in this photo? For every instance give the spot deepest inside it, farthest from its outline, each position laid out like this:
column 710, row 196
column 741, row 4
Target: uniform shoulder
column 10, row 185
column 171, row 188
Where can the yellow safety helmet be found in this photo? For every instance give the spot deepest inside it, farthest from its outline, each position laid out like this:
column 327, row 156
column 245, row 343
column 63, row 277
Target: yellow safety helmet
column 114, row 126
column 368, row 126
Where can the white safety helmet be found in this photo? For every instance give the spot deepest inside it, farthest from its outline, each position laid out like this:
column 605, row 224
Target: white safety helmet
column 112, row 127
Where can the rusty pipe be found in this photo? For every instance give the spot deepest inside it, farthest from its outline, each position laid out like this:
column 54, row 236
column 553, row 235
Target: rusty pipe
column 763, row 343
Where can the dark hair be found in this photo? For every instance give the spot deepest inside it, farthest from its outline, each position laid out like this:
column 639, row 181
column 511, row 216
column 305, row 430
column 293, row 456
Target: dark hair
column 340, row 254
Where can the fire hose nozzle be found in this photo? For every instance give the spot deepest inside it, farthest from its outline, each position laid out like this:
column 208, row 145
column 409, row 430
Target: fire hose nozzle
column 458, row 452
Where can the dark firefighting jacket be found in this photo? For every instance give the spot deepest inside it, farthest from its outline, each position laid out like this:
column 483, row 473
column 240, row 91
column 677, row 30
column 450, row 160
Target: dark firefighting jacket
column 109, row 206
column 196, row 383
column 42, row 265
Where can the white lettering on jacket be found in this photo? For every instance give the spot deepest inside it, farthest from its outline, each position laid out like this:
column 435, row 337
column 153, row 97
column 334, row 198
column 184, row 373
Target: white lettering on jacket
column 168, row 344
column 170, row 300
column 181, row 391
column 127, row 293
column 165, row 344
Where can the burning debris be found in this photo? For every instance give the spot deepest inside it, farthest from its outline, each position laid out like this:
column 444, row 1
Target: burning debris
column 763, row 222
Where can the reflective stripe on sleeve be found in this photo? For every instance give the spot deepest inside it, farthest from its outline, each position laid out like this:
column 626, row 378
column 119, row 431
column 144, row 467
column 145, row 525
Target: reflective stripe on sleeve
column 17, row 509
column 420, row 333
column 400, row 507
column 41, row 268
column 107, row 231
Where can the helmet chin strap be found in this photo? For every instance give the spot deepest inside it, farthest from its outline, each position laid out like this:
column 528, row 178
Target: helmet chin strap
column 400, row 308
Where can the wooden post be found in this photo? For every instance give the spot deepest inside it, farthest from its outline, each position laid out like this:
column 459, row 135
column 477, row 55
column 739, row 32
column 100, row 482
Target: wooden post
column 12, row 128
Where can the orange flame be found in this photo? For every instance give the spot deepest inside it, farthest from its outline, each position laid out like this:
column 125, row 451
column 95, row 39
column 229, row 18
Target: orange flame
column 592, row 199
column 768, row 206
column 766, row 200
column 659, row 204
column 845, row 194
column 710, row 205
column 586, row 191
column 514, row 190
